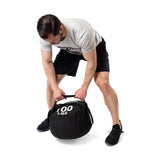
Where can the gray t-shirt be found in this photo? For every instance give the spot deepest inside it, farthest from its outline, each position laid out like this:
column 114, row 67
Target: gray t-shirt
column 80, row 37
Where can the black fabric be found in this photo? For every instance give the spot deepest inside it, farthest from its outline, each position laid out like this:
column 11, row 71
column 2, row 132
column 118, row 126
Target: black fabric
column 102, row 57
column 70, row 120
column 67, row 63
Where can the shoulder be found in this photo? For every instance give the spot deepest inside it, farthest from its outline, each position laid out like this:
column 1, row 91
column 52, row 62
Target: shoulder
column 76, row 23
column 79, row 27
column 45, row 45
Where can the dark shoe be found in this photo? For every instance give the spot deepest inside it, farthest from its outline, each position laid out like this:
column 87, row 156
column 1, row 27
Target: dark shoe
column 114, row 135
column 44, row 126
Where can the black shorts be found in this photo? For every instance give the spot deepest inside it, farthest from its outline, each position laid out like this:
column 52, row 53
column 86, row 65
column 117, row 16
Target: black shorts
column 67, row 63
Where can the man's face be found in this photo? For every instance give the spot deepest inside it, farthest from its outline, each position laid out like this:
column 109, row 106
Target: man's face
column 54, row 39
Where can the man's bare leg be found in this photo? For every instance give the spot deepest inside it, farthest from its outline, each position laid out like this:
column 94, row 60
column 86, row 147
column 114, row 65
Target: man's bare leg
column 111, row 100
column 110, row 97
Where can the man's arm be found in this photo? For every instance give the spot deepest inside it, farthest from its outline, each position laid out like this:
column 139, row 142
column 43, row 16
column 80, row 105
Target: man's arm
column 91, row 58
column 50, row 73
column 49, row 68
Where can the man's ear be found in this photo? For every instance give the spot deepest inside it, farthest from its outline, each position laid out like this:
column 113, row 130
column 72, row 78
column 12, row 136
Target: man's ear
column 61, row 29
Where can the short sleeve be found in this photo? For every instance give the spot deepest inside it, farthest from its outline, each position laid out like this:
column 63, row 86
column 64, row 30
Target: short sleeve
column 87, row 41
column 45, row 46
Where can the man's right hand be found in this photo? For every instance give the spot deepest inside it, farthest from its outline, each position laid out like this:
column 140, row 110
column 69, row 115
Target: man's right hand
column 58, row 94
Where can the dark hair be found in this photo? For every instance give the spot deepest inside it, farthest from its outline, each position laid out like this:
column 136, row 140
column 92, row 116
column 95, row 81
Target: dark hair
column 48, row 24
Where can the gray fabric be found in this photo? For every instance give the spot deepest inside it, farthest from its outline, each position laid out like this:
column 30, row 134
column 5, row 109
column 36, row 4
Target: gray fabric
column 80, row 38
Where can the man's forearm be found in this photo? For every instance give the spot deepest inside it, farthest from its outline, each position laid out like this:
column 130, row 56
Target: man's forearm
column 50, row 73
column 89, row 73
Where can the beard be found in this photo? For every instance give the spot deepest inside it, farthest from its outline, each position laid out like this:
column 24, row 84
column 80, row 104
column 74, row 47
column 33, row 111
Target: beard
column 61, row 36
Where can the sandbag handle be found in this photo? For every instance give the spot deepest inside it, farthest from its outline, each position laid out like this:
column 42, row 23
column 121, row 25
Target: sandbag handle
column 68, row 96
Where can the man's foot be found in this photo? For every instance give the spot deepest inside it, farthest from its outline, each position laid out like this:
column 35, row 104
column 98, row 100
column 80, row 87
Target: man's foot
column 114, row 135
column 44, row 126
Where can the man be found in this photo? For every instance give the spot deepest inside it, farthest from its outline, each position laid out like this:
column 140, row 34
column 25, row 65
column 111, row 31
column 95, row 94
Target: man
column 77, row 41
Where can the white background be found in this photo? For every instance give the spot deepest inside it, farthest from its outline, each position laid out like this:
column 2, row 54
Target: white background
column 131, row 29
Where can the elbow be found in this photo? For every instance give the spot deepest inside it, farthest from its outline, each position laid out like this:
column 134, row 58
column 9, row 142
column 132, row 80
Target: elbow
column 46, row 63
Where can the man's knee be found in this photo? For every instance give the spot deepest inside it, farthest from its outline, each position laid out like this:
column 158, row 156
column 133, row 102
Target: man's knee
column 102, row 83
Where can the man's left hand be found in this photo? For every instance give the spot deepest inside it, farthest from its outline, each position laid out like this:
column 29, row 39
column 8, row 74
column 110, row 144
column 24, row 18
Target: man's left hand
column 81, row 93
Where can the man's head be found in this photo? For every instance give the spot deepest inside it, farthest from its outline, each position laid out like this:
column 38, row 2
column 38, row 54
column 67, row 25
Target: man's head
column 50, row 29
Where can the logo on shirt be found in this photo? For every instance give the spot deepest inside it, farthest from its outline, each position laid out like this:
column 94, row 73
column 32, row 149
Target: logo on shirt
column 71, row 50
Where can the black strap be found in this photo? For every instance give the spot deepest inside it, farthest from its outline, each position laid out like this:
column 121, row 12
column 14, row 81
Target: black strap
column 68, row 96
